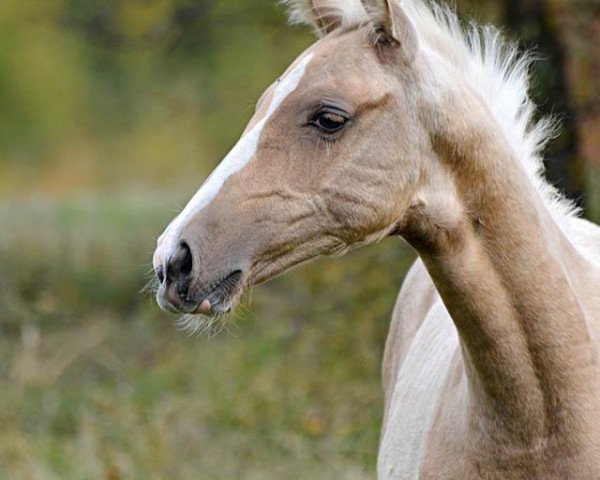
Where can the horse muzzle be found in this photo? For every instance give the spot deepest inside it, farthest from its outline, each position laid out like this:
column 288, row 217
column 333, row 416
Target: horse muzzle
column 181, row 291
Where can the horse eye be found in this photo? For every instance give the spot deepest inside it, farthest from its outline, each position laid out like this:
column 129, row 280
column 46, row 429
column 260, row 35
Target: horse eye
column 329, row 122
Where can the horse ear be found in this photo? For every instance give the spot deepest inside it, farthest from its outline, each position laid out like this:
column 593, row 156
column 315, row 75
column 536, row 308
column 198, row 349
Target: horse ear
column 394, row 27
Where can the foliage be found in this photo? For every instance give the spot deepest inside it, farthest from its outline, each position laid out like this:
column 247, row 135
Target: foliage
column 80, row 112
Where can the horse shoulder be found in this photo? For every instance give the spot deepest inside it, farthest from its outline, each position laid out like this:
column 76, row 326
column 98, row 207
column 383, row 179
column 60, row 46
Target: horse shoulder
column 415, row 300
column 420, row 351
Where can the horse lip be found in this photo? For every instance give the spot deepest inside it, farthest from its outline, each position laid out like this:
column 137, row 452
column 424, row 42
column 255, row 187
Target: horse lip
column 217, row 293
column 168, row 306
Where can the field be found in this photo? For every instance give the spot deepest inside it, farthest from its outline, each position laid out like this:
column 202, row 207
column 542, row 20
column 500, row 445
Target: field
column 97, row 383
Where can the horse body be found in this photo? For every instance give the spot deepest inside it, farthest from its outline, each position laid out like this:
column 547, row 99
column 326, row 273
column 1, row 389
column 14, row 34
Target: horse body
column 399, row 123
column 425, row 430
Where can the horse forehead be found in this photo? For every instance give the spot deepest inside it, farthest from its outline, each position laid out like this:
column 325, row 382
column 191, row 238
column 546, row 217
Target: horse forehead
column 345, row 65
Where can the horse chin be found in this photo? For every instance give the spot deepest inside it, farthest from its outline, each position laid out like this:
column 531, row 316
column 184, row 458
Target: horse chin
column 211, row 322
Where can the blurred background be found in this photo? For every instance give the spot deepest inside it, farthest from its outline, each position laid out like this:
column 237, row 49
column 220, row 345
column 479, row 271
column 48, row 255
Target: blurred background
column 112, row 112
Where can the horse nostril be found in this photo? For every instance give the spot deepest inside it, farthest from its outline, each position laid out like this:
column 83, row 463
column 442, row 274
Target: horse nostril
column 160, row 273
column 180, row 265
column 187, row 264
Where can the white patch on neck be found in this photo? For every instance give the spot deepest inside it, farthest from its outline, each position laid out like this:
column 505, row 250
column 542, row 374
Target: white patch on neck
column 415, row 398
column 237, row 159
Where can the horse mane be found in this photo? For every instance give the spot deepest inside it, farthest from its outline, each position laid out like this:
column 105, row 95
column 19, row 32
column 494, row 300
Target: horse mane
column 492, row 66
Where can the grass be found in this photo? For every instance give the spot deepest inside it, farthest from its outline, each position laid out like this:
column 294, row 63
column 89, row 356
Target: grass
column 97, row 383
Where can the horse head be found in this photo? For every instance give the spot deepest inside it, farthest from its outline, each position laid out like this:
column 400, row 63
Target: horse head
column 328, row 162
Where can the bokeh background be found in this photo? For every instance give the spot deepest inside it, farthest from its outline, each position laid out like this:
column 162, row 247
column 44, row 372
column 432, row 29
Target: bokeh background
column 111, row 114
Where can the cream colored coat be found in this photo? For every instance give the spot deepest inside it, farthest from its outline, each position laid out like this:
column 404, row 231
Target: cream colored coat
column 397, row 122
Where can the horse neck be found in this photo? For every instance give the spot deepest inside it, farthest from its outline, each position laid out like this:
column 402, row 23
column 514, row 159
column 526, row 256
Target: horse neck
column 507, row 276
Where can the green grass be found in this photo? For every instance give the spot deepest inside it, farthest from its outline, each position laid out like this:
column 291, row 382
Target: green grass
column 97, row 383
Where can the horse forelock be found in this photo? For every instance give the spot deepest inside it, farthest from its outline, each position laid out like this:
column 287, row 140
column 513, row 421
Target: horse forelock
column 352, row 13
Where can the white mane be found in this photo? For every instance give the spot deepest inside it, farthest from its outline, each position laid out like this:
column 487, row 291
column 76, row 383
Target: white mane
column 492, row 67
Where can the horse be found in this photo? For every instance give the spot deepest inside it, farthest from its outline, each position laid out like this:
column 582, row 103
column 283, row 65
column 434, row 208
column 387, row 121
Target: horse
column 401, row 121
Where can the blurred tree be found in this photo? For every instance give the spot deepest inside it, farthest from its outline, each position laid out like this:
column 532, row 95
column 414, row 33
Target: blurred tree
column 577, row 26
column 536, row 30
column 567, row 33
column 139, row 24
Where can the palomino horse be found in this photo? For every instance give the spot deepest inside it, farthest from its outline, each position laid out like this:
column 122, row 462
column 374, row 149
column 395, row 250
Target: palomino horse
column 399, row 122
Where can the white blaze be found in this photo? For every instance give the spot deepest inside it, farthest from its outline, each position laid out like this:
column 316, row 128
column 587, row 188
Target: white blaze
column 237, row 159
